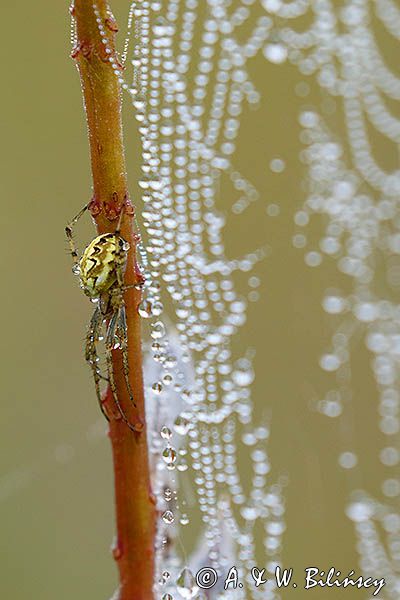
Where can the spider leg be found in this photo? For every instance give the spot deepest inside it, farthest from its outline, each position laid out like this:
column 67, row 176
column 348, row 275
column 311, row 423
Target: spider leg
column 91, row 355
column 118, row 326
column 121, row 248
column 122, row 336
column 118, row 291
column 69, row 233
column 109, row 345
column 121, row 214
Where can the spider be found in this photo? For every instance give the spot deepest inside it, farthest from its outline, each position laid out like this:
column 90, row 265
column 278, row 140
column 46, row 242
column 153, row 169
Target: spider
column 101, row 271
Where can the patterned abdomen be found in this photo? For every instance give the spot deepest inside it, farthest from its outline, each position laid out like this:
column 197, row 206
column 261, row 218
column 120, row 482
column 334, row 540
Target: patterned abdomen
column 99, row 263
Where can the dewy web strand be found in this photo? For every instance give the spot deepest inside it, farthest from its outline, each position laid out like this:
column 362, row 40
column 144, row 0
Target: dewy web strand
column 189, row 106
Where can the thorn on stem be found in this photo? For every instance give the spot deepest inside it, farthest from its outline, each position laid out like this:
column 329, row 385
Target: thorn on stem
column 111, row 24
column 117, row 551
column 84, row 48
column 94, row 207
column 138, row 426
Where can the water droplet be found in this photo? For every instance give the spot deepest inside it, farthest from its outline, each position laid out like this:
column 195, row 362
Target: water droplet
column 243, row 377
column 313, row 259
column 157, row 330
column 181, row 425
column 390, row 456
column 168, row 494
column 170, row 362
column 249, row 513
column 167, row 597
column 277, row 165
column 334, row 304
column 186, row 584
column 167, row 379
column 157, row 387
column 165, row 575
column 249, row 439
column 275, row 53
column 138, row 104
column 273, row 210
column 157, row 309
column 359, row 511
column 186, row 395
column 169, row 455
column 184, row 520
column 347, row 460
column 145, row 309
column 165, row 432
column 272, row 6
column 76, row 269
column 329, row 362
column 168, row 517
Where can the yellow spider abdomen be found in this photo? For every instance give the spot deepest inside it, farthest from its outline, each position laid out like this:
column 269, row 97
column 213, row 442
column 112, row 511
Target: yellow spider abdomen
column 99, row 263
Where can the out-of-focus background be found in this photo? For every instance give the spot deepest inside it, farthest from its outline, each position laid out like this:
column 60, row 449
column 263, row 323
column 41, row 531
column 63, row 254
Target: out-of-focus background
column 56, row 500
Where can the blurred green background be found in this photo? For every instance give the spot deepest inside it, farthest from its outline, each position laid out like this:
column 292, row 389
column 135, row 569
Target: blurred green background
column 56, row 500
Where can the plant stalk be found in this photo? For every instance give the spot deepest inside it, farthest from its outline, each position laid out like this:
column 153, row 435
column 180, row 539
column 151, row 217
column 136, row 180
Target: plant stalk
column 135, row 505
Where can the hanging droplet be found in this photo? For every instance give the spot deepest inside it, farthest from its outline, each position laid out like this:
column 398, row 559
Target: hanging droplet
column 167, row 379
column 145, row 309
column 76, row 269
column 168, row 494
column 243, row 377
column 360, row 510
column 186, row 584
column 157, row 387
column 157, row 309
column 165, row 433
column 168, row 517
column 275, row 53
column 170, row 362
column 186, row 395
column 138, row 104
column 169, row 455
column 181, row 425
column 167, row 597
column 184, row 520
column 165, row 575
column 157, row 330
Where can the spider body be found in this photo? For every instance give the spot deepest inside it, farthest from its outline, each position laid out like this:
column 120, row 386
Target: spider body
column 100, row 263
column 101, row 271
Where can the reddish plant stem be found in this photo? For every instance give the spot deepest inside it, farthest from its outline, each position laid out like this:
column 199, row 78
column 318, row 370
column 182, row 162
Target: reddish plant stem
column 135, row 507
